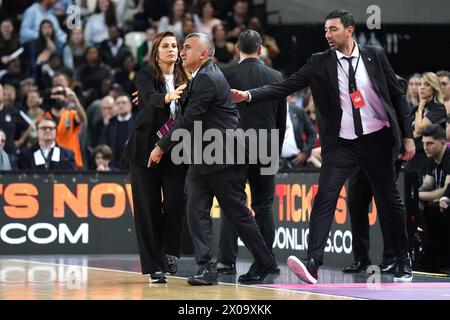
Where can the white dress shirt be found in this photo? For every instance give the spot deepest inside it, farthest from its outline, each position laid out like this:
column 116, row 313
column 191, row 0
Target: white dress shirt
column 170, row 86
column 373, row 114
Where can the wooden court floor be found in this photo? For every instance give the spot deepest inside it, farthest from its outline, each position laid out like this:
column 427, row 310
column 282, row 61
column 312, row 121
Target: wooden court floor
column 22, row 279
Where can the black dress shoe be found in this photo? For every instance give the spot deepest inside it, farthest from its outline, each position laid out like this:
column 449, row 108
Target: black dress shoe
column 306, row 270
column 388, row 267
column 356, row 267
column 205, row 277
column 403, row 273
column 157, row 277
column 172, row 264
column 276, row 270
column 257, row 274
column 225, row 269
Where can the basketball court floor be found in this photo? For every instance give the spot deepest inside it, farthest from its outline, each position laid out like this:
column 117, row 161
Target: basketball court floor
column 118, row 277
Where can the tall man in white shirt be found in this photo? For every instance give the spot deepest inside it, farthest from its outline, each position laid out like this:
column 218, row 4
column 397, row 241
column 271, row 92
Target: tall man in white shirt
column 363, row 120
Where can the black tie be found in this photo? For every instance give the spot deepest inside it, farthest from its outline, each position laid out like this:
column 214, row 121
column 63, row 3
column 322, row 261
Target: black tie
column 352, row 88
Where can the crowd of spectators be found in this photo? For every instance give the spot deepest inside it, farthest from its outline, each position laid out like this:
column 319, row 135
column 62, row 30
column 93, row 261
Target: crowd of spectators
column 77, row 67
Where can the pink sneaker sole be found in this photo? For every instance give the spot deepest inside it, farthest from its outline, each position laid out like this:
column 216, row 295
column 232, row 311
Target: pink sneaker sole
column 299, row 269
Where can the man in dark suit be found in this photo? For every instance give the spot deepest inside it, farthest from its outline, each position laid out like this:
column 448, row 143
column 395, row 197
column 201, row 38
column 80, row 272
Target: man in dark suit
column 250, row 73
column 209, row 104
column 359, row 198
column 363, row 120
column 46, row 155
column 117, row 131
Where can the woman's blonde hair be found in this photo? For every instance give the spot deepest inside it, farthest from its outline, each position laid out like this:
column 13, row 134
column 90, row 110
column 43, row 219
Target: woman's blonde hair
column 432, row 79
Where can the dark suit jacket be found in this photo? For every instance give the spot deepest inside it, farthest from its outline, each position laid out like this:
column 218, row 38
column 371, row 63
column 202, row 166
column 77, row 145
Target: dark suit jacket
column 209, row 101
column 271, row 114
column 116, row 140
column 66, row 161
column 305, row 135
column 320, row 72
column 151, row 116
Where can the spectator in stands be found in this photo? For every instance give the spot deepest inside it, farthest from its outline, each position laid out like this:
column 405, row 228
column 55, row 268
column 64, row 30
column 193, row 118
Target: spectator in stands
column 98, row 119
column 66, row 110
column 114, row 48
column 29, row 29
column 64, row 78
column 444, row 81
column 188, row 25
column 436, row 181
column 299, row 138
column 47, row 154
column 6, row 161
column 143, row 52
column 205, row 19
column 429, row 111
column 102, row 156
column 26, row 85
column 45, row 72
column 16, row 125
column 173, row 22
column 269, row 43
column 126, row 74
column 74, row 49
column 118, row 130
column 149, row 13
column 113, row 90
column 96, row 29
column 237, row 20
column 10, row 96
column 59, row 9
column 440, row 224
column 9, row 41
column 412, row 93
column 15, row 73
column 310, row 110
column 33, row 103
column 46, row 43
column 92, row 75
column 225, row 52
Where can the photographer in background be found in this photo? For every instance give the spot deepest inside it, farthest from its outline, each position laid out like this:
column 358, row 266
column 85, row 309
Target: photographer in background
column 62, row 105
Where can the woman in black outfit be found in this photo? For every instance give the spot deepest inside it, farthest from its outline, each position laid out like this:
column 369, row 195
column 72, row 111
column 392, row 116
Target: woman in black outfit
column 158, row 193
column 430, row 110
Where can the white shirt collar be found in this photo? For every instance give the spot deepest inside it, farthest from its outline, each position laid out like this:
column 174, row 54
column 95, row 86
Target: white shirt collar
column 49, row 148
column 355, row 53
column 123, row 119
column 195, row 72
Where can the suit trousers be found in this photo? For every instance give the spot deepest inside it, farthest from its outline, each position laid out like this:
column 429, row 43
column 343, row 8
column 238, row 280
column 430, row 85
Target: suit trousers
column 228, row 185
column 158, row 216
column 359, row 198
column 262, row 189
column 374, row 153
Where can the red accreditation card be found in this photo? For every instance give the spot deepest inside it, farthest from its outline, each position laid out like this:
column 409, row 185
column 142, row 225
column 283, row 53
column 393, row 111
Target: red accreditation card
column 357, row 99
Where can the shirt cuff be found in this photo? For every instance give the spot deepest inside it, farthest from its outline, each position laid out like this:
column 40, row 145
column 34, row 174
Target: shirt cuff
column 446, row 199
column 249, row 97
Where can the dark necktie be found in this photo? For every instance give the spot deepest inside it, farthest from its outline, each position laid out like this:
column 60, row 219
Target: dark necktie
column 352, row 88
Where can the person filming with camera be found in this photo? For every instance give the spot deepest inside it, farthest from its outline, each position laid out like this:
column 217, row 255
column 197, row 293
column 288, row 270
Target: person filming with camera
column 62, row 106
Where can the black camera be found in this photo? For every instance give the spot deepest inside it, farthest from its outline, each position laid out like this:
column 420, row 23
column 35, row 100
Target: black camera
column 49, row 102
